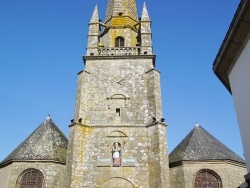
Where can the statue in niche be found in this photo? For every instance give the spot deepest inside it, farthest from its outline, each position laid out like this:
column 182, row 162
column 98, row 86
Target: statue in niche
column 116, row 154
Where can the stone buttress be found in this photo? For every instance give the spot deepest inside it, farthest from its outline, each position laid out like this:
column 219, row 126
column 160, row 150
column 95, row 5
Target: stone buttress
column 118, row 135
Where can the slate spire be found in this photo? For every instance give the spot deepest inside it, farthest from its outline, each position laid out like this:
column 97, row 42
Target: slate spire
column 118, row 9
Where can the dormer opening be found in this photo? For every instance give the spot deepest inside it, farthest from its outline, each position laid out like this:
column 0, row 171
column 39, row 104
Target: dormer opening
column 119, row 42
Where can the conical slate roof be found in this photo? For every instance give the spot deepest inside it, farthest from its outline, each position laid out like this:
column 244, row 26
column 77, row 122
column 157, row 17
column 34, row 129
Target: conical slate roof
column 47, row 142
column 201, row 145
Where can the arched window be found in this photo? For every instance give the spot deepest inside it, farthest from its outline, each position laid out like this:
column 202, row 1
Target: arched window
column 119, row 42
column 207, row 179
column 31, row 178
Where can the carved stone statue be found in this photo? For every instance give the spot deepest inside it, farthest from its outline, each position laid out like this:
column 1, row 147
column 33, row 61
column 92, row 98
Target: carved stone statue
column 116, row 154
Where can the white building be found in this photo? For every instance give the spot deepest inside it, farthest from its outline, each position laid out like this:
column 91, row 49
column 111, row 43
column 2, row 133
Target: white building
column 232, row 67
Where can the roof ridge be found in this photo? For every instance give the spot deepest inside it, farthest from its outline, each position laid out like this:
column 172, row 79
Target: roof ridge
column 189, row 140
column 183, row 144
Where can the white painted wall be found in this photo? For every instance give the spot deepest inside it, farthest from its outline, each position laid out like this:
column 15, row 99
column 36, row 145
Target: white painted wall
column 239, row 79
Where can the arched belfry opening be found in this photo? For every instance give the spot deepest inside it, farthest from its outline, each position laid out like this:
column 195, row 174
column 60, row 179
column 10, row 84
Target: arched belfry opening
column 119, row 41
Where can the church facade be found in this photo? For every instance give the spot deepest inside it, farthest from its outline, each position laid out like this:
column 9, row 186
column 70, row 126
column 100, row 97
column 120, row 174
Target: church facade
column 117, row 138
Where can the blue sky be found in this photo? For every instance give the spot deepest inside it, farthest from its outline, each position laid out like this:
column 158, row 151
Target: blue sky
column 41, row 48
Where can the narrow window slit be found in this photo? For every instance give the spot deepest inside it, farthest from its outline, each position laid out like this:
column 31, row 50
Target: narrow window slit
column 118, row 112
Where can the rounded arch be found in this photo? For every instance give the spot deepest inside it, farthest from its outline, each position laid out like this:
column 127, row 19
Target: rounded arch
column 117, row 182
column 117, row 100
column 119, row 96
column 207, row 178
column 30, row 178
column 119, row 41
column 117, row 133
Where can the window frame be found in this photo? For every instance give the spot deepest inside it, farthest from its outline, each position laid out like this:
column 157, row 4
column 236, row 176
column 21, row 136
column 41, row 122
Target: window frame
column 31, row 172
column 212, row 174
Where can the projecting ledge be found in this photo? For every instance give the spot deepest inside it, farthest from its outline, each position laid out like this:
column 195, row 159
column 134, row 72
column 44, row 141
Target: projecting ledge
column 118, row 57
column 107, row 162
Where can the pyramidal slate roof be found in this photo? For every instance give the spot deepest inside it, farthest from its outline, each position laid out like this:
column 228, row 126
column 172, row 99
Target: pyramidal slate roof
column 201, row 145
column 47, row 142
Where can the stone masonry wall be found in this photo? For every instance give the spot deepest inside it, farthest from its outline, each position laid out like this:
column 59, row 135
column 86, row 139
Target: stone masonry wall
column 109, row 85
column 53, row 173
column 91, row 161
column 118, row 100
column 158, row 156
column 79, row 156
column 5, row 176
column 231, row 174
column 176, row 175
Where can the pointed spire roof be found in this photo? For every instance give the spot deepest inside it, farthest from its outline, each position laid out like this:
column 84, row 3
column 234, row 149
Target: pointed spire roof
column 121, row 8
column 201, row 145
column 95, row 17
column 47, row 142
column 145, row 16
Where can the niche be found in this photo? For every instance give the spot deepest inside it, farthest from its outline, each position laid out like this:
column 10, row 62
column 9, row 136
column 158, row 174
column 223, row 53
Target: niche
column 117, row 105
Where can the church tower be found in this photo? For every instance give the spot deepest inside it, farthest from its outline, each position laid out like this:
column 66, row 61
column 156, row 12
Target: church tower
column 118, row 135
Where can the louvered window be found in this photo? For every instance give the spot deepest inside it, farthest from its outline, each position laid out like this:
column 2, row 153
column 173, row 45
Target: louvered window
column 119, row 42
column 207, row 179
column 31, row 178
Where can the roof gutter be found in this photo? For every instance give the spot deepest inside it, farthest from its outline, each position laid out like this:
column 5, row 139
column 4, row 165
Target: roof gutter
column 233, row 43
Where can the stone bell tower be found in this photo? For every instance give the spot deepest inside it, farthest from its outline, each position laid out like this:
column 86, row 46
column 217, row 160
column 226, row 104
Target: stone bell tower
column 118, row 135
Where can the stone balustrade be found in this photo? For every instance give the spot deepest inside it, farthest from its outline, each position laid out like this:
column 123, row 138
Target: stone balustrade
column 119, row 51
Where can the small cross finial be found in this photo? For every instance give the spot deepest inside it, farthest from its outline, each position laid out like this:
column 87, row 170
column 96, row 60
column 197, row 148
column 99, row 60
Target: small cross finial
column 48, row 118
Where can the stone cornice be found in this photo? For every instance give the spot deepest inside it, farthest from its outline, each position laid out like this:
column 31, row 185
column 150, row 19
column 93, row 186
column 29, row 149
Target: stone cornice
column 87, row 58
column 4, row 164
column 214, row 162
column 122, row 125
column 119, row 57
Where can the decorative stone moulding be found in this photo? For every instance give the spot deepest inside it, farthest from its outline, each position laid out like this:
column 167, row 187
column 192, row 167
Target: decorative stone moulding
column 107, row 162
column 118, row 97
column 119, row 51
